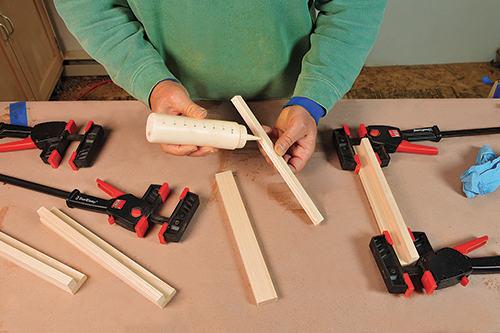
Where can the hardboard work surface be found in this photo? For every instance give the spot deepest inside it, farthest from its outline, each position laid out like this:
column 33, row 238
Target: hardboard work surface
column 325, row 276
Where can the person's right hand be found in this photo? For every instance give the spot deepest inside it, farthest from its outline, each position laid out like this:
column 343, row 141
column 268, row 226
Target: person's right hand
column 170, row 97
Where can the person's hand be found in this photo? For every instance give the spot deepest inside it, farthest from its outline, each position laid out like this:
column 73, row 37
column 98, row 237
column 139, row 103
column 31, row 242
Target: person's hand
column 295, row 136
column 170, row 97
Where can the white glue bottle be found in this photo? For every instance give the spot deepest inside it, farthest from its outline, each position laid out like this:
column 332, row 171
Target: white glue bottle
column 180, row 130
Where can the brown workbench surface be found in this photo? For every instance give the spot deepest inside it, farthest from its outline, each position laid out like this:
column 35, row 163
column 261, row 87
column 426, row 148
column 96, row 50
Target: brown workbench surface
column 325, row 276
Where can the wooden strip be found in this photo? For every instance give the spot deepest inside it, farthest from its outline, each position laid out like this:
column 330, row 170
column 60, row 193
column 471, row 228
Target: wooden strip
column 383, row 205
column 107, row 256
column 255, row 266
column 278, row 162
column 493, row 90
column 41, row 265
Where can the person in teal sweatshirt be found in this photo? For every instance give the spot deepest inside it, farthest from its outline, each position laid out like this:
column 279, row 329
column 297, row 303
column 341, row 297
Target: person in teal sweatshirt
column 169, row 53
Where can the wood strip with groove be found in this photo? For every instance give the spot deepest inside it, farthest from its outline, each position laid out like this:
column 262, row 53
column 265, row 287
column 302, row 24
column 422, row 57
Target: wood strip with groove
column 278, row 162
column 43, row 266
column 107, row 256
column 383, row 204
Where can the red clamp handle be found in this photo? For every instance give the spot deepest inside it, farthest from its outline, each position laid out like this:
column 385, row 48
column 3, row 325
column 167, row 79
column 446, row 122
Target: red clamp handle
column 471, row 245
column 112, row 191
column 407, row 147
column 18, row 145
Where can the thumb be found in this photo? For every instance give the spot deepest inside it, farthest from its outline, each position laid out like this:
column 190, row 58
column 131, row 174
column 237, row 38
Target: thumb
column 287, row 139
column 193, row 110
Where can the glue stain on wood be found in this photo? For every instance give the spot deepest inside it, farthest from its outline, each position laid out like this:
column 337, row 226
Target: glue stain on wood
column 214, row 193
column 281, row 193
column 223, row 158
column 3, row 213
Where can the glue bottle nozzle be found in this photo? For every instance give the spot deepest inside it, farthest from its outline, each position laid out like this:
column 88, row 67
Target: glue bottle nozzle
column 252, row 137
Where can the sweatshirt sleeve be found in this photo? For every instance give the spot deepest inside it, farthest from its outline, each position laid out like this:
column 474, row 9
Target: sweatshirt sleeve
column 343, row 35
column 109, row 31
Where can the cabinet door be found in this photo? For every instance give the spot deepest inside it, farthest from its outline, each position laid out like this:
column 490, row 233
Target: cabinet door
column 13, row 84
column 34, row 45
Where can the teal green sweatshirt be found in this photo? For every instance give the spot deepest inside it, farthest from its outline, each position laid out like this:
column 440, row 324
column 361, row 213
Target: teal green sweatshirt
column 260, row 49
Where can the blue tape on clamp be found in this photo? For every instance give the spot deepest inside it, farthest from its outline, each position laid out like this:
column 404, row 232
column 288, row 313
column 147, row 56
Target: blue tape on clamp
column 18, row 114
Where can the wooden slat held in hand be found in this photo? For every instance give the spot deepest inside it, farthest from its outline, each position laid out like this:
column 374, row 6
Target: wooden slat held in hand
column 278, row 162
column 255, row 266
column 383, row 204
column 43, row 266
column 108, row 257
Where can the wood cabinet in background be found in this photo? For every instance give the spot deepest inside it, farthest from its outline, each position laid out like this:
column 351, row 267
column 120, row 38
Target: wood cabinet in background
column 30, row 59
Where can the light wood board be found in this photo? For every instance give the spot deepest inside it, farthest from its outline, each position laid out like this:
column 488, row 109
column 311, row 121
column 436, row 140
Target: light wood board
column 107, row 256
column 41, row 265
column 383, row 204
column 255, row 266
column 278, row 162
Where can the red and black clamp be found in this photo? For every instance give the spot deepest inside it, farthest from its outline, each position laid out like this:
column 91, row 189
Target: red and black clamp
column 126, row 210
column 173, row 229
column 53, row 138
column 434, row 269
column 384, row 140
column 394, row 140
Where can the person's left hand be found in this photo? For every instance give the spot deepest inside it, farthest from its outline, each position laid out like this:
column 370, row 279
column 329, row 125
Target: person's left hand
column 295, row 136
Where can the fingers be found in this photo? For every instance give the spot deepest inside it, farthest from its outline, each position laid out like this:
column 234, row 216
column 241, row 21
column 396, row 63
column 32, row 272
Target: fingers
column 187, row 150
column 297, row 160
column 295, row 155
column 296, row 132
column 171, row 97
column 272, row 133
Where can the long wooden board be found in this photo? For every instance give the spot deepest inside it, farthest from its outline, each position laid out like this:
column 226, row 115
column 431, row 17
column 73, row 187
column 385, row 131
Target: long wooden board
column 255, row 266
column 107, row 256
column 383, row 204
column 41, row 265
column 278, row 162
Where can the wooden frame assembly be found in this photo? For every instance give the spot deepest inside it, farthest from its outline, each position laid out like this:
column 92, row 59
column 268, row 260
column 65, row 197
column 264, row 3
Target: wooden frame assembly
column 278, row 162
column 43, row 266
column 384, row 207
column 107, row 256
column 255, row 266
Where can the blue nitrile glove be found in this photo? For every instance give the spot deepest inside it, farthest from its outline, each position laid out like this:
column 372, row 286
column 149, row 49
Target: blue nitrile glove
column 483, row 177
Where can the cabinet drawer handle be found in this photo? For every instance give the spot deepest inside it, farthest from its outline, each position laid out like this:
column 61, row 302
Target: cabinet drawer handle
column 9, row 33
column 6, row 40
column 10, row 22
